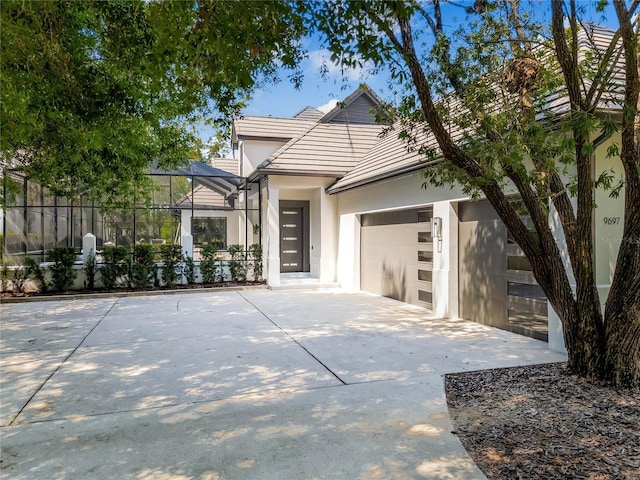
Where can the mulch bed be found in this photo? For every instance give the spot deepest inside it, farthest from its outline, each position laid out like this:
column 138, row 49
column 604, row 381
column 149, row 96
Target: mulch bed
column 196, row 286
column 539, row 422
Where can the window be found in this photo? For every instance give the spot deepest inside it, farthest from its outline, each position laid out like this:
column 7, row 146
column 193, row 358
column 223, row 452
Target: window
column 426, row 297
column 396, row 217
column 425, row 237
column 518, row 262
column 525, row 290
column 425, row 275
column 425, row 215
column 424, row 256
column 208, row 231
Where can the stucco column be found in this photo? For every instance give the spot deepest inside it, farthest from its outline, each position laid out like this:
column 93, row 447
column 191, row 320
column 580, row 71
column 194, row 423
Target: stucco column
column 88, row 246
column 445, row 261
column 556, row 335
column 187, row 245
column 328, row 237
column 348, row 268
column 272, row 273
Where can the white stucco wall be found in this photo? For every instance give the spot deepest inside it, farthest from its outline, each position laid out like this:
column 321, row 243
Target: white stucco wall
column 254, row 152
column 397, row 193
column 608, row 220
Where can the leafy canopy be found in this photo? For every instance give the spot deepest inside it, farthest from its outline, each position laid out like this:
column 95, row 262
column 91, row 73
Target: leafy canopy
column 94, row 91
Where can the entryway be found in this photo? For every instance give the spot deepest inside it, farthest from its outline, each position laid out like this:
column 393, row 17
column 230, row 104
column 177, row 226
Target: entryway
column 294, row 236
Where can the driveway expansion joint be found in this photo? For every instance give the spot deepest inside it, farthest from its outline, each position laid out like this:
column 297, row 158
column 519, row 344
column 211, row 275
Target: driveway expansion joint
column 293, row 339
column 75, row 349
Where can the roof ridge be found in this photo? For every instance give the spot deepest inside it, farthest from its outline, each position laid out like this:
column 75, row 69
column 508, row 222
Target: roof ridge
column 293, row 119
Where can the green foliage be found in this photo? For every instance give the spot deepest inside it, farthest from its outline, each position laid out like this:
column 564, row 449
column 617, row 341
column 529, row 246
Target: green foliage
column 62, row 272
column 4, row 276
column 93, row 90
column 90, row 269
column 502, row 105
column 237, row 263
column 171, row 267
column 33, row 270
column 115, row 267
column 19, row 281
column 143, row 267
column 490, row 89
column 189, row 270
column 209, row 265
column 255, row 251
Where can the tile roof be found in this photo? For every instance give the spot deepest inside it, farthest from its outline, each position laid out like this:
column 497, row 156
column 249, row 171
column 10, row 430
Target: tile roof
column 230, row 165
column 323, row 150
column 393, row 156
column 204, row 198
column 269, row 128
column 309, row 113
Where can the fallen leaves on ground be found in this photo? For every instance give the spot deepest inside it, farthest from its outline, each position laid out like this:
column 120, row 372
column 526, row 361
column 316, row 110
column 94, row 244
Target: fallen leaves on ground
column 539, row 421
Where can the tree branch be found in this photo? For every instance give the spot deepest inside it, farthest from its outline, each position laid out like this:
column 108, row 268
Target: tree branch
column 514, row 15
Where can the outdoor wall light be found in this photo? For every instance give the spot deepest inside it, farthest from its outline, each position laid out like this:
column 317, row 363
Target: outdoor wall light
column 436, row 227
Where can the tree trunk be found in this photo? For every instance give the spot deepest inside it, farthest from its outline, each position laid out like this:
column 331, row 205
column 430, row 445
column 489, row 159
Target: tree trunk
column 596, row 351
column 622, row 357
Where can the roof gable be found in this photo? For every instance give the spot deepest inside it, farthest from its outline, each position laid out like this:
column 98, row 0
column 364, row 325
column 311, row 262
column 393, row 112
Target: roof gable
column 309, row 113
column 355, row 109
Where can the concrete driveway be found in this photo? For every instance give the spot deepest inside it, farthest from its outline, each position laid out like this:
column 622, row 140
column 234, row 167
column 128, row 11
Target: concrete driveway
column 257, row 384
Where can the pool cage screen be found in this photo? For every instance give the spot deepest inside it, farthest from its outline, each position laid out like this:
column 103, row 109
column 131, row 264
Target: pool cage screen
column 213, row 205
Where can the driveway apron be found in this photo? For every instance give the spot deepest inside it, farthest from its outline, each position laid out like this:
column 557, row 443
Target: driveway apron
column 257, row 384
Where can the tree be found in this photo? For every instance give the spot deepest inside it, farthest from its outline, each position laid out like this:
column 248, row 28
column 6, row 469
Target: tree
column 94, row 91
column 479, row 92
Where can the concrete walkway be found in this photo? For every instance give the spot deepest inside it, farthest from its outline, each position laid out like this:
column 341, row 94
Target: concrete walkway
column 258, row 384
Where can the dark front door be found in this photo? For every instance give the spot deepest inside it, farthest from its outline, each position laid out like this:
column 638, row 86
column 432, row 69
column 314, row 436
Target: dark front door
column 292, row 257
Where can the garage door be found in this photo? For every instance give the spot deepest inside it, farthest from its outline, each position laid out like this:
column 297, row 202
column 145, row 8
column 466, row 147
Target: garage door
column 496, row 286
column 396, row 255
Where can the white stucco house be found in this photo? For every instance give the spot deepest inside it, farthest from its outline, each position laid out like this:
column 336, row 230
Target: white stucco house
column 341, row 203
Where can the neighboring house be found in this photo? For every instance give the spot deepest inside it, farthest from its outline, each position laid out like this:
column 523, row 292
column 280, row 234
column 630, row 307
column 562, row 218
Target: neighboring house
column 345, row 205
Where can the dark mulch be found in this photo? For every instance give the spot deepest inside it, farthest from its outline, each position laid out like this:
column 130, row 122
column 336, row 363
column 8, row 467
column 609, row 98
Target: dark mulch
column 539, row 422
column 196, row 286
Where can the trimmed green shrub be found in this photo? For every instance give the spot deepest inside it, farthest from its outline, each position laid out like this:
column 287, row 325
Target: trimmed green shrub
column 4, row 276
column 255, row 251
column 90, row 269
column 143, row 268
column 209, row 263
column 171, row 268
column 62, row 272
column 115, row 266
column 189, row 270
column 33, row 269
column 237, row 264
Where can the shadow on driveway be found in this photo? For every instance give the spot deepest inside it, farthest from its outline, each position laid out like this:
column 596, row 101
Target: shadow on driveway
column 238, row 385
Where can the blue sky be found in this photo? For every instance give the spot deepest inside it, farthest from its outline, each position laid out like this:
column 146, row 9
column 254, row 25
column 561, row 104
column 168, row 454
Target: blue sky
column 283, row 100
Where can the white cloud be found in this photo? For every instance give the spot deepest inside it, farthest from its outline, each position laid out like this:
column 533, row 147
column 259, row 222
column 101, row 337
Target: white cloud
column 327, row 107
column 320, row 61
